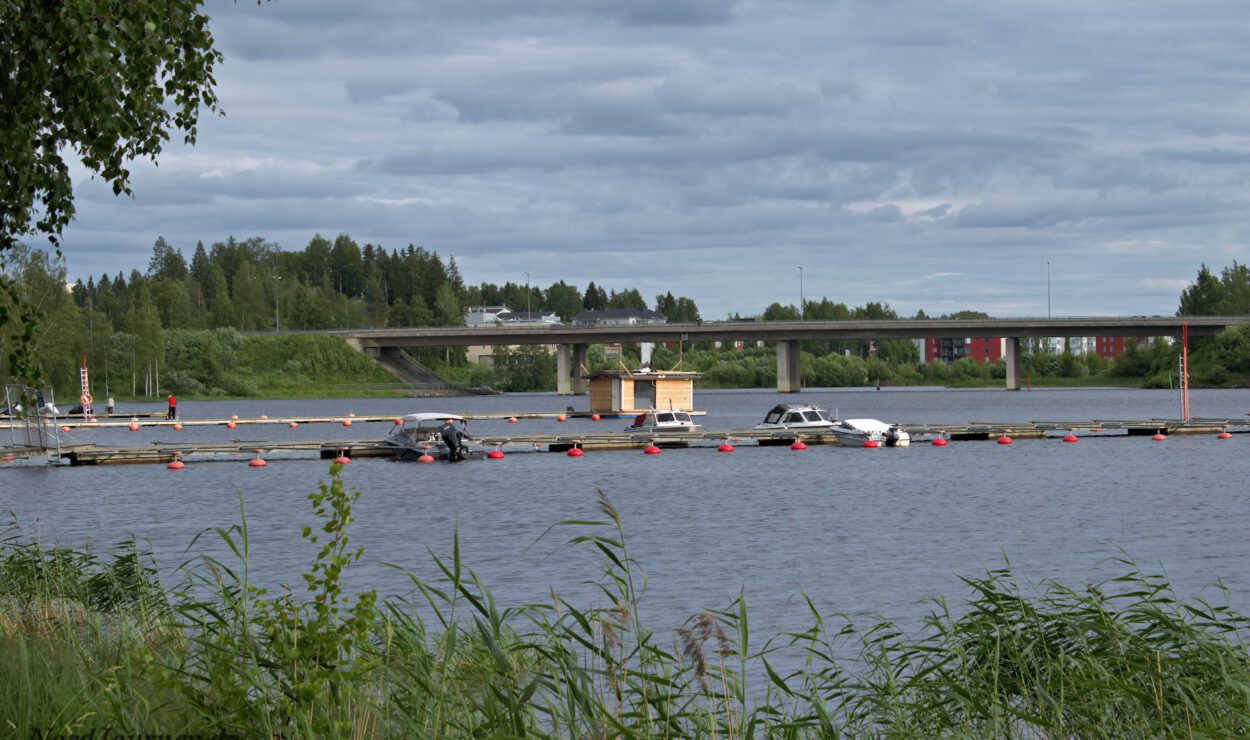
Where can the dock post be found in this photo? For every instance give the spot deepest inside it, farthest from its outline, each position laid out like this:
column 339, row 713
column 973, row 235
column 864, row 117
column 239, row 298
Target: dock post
column 579, row 370
column 1012, row 358
column 788, row 374
column 563, row 377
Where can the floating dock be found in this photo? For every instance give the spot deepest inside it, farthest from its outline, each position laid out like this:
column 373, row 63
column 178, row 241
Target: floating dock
column 78, row 453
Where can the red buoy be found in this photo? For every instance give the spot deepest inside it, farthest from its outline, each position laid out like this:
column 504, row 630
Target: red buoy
column 176, row 464
column 1158, row 438
column 725, row 447
column 871, row 444
column 1004, row 440
column 399, row 422
column 575, row 452
column 347, row 422
column 798, row 445
column 257, row 462
column 177, row 427
column 342, row 459
column 264, row 416
column 65, row 430
column 293, row 425
column 426, row 458
column 1071, row 438
column 595, row 417
column 1224, row 435
column 134, row 427
column 939, row 442
column 561, row 417
column 511, row 419
column 495, row 455
column 231, row 425
column 651, row 450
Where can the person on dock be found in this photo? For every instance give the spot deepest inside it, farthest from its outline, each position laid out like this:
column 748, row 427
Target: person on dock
column 454, row 439
column 173, row 408
column 109, row 406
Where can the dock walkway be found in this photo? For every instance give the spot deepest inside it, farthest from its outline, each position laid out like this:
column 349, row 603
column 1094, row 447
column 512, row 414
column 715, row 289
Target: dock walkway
column 80, row 453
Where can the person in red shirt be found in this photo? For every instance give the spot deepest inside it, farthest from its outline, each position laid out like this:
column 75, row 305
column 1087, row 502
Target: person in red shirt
column 173, row 408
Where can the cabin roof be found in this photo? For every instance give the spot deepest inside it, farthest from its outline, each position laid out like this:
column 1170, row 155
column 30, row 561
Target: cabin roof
column 781, row 408
column 646, row 374
column 425, row 417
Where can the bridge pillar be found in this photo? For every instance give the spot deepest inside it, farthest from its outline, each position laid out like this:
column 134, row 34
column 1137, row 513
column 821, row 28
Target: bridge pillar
column 1012, row 359
column 579, row 369
column 788, row 377
column 564, row 386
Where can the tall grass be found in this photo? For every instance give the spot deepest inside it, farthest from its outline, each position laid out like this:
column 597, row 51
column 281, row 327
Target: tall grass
column 92, row 643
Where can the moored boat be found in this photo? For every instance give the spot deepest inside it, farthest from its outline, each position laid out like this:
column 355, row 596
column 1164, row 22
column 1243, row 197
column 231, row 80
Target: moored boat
column 799, row 416
column 855, row 432
column 423, row 434
column 663, row 422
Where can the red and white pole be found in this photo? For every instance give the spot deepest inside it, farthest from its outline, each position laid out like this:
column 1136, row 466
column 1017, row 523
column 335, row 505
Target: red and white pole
column 1185, row 370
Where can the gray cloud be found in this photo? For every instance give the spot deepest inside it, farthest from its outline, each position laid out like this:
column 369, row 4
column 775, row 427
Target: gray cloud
column 876, row 143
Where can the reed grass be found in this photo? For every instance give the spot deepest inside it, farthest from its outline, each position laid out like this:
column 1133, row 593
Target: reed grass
column 95, row 643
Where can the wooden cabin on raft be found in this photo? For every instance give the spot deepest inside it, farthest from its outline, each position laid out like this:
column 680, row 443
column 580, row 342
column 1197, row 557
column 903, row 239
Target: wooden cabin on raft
column 623, row 393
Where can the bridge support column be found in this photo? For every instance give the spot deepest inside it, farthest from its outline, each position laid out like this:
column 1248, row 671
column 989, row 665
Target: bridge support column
column 1012, row 359
column 579, row 369
column 788, row 377
column 564, row 385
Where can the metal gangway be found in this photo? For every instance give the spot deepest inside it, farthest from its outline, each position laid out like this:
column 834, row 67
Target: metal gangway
column 33, row 431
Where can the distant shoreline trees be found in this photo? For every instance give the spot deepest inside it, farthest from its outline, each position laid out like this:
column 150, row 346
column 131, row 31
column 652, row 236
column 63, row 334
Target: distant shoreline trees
column 253, row 285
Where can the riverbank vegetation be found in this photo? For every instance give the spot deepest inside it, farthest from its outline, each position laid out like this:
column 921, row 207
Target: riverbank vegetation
column 192, row 328
column 97, row 643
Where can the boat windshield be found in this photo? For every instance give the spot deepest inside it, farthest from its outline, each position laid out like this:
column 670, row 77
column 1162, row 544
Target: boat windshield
column 794, row 417
column 773, row 417
column 815, row 416
column 664, row 417
column 682, row 417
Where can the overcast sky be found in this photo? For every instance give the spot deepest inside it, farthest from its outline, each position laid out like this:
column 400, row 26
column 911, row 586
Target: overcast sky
column 931, row 154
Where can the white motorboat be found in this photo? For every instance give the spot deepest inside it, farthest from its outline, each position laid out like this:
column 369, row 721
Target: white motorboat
column 663, row 422
column 422, row 434
column 797, row 416
column 855, row 432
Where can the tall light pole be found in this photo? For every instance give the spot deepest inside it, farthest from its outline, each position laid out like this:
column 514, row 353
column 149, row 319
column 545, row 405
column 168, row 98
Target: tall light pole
column 802, row 311
column 1048, row 289
column 527, row 297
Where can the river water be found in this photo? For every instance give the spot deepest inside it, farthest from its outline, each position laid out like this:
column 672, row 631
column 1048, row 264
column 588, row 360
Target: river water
column 858, row 531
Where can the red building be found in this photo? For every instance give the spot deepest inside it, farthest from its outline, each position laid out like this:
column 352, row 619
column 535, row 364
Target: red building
column 981, row 349
column 1109, row 347
column 992, row 349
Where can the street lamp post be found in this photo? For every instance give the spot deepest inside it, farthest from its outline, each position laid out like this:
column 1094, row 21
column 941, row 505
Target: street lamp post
column 802, row 309
column 1048, row 289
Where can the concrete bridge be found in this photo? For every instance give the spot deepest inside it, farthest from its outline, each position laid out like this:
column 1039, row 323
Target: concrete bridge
column 571, row 341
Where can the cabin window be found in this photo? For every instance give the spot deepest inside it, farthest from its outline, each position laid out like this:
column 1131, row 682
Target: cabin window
column 793, row 418
column 811, row 416
column 665, row 417
column 772, row 418
column 682, row 417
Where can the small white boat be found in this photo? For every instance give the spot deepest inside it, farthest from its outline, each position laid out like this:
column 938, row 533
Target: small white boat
column 855, row 432
column 421, row 434
column 797, row 416
column 662, row 422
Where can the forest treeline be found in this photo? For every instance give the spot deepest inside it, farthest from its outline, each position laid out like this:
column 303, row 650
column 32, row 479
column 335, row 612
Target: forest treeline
column 178, row 323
